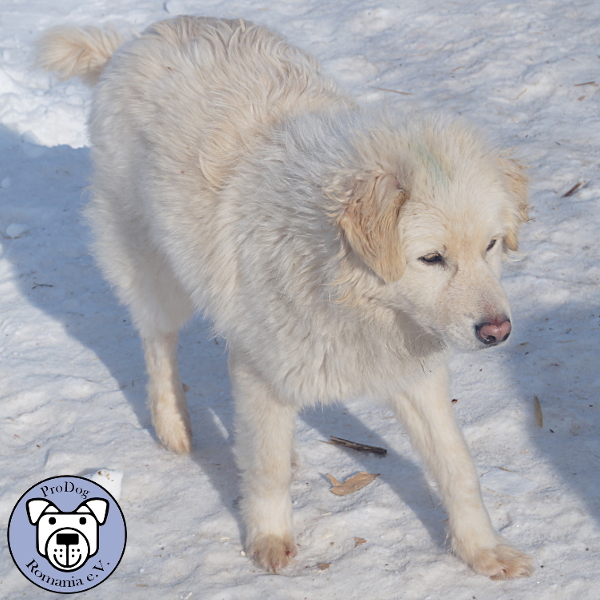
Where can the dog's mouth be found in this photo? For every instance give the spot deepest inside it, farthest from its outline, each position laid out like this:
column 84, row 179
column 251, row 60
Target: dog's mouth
column 67, row 549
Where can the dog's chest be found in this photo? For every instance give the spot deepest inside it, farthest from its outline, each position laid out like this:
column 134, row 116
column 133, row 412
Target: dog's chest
column 334, row 361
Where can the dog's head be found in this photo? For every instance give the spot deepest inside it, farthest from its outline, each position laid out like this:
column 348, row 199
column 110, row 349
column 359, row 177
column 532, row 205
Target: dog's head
column 432, row 212
column 67, row 540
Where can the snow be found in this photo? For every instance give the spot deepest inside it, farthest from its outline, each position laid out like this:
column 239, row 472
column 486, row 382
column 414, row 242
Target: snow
column 15, row 230
column 71, row 367
column 111, row 481
column 505, row 482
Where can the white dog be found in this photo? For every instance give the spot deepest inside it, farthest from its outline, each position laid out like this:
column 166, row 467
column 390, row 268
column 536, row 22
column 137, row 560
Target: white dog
column 342, row 252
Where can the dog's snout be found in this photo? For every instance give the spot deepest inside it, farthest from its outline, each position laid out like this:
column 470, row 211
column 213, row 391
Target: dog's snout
column 493, row 333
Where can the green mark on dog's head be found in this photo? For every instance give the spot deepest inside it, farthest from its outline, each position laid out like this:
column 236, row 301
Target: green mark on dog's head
column 437, row 171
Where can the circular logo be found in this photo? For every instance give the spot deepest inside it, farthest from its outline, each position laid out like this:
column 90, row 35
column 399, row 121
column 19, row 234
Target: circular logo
column 67, row 534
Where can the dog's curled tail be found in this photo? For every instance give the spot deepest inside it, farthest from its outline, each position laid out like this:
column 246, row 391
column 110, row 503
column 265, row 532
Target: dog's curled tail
column 77, row 51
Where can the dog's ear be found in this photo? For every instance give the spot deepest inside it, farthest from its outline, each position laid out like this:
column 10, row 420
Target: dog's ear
column 369, row 221
column 516, row 184
column 36, row 507
column 97, row 506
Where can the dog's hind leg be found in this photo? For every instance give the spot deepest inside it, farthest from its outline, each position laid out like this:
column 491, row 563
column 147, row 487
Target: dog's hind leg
column 428, row 416
column 159, row 311
column 263, row 449
column 159, row 307
column 165, row 392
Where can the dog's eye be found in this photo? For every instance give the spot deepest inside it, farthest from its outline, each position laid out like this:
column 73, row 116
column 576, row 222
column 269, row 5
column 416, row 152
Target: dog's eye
column 491, row 245
column 52, row 520
column 433, row 258
column 82, row 520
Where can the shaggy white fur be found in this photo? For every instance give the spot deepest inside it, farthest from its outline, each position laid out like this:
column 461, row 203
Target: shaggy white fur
column 341, row 252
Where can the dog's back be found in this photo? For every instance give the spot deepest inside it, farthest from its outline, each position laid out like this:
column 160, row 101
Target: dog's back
column 217, row 86
column 176, row 112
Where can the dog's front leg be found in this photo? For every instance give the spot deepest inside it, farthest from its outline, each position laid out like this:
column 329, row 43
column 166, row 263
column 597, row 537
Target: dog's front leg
column 263, row 449
column 429, row 418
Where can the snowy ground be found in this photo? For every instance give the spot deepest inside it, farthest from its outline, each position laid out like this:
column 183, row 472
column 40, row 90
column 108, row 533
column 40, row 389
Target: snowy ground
column 71, row 368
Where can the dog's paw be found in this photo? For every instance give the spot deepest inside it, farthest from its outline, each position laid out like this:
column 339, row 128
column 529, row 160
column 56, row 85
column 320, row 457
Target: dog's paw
column 501, row 562
column 179, row 444
column 273, row 552
column 175, row 434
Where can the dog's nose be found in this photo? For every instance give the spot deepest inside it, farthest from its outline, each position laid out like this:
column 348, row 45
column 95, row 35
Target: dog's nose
column 493, row 333
column 67, row 539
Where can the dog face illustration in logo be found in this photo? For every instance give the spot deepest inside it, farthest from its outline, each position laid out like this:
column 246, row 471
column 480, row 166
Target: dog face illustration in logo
column 67, row 540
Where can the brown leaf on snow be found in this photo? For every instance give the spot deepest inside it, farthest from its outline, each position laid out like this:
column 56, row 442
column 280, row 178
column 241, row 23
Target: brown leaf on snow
column 539, row 417
column 355, row 483
column 323, row 566
column 358, row 541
